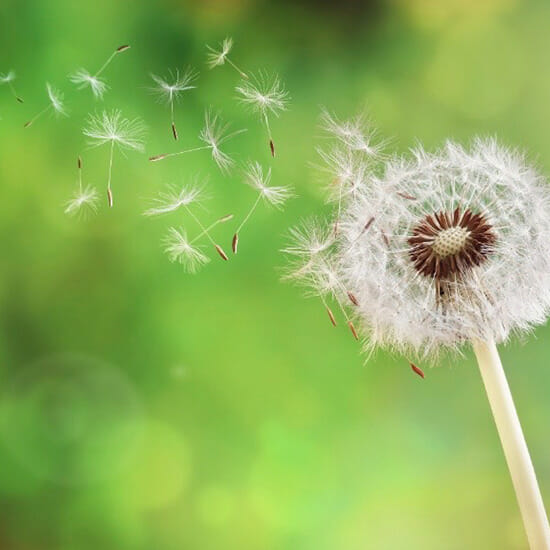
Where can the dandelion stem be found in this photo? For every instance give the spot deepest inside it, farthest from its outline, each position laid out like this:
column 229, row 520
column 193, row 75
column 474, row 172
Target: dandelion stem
column 514, row 445
column 33, row 119
column 268, row 128
column 105, row 65
column 242, row 73
column 161, row 157
column 210, row 227
column 109, row 192
column 206, row 231
column 14, row 93
column 250, row 212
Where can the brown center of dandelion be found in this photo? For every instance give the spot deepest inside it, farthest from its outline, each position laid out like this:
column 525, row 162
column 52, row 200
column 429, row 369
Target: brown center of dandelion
column 446, row 244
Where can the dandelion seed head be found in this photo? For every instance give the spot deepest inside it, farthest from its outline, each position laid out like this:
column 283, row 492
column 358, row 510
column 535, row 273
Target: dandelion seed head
column 264, row 94
column 219, row 56
column 437, row 248
column 84, row 201
column 82, row 78
column 179, row 249
column 56, row 99
column 112, row 127
column 170, row 88
column 256, row 178
column 174, row 198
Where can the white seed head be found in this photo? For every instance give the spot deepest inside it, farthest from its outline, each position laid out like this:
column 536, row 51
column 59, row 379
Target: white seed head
column 214, row 133
column 218, row 57
column 170, row 88
column 257, row 179
column 174, row 198
column 5, row 78
column 56, row 99
column 264, row 94
column 111, row 127
column 83, row 79
column 179, row 249
column 438, row 248
column 84, row 201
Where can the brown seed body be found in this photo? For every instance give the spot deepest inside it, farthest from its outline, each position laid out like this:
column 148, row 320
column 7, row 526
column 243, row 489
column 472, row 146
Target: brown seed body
column 331, row 316
column 235, row 243
column 417, row 370
column 353, row 331
column 220, row 251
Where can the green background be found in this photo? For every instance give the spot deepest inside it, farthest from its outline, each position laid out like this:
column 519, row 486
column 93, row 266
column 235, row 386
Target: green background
column 144, row 408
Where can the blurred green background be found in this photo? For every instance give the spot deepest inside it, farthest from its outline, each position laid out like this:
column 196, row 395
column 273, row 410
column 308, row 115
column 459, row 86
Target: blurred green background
column 144, row 408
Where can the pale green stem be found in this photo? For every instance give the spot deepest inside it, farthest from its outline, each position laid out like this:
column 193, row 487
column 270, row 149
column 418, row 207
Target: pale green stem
column 514, row 445
column 187, row 151
column 242, row 73
column 32, row 120
column 205, row 230
column 104, row 66
column 110, row 167
column 250, row 212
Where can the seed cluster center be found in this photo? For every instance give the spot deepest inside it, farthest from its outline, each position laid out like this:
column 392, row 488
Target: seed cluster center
column 449, row 242
column 444, row 245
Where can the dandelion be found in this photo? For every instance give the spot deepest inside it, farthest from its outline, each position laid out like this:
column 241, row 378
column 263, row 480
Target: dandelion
column 112, row 128
column 85, row 199
column 82, row 78
column 214, row 134
column 441, row 250
column 220, row 56
column 56, row 102
column 264, row 95
column 178, row 247
column 170, row 89
column 8, row 78
column 272, row 195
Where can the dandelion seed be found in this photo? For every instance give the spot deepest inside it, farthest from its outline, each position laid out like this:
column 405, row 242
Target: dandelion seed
column 179, row 249
column 8, row 78
column 213, row 134
column 264, row 95
column 85, row 199
column 275, row 196
column 56, row 102
column 174, row 199
column 112, row 128
column 82, row 78
column 219, row 57
column 170, row 89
